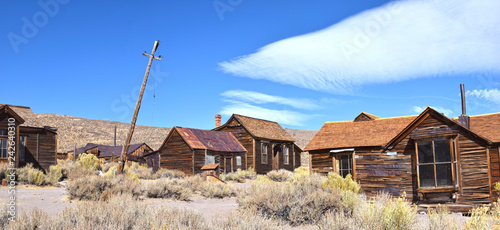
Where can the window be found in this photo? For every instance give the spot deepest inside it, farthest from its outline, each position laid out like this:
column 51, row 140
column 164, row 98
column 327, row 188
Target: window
column 264, row 153
column 3, row 132
column 22, row 148
column 435, row 163
column 286, row 152
column 209, row 159
column 345, row 165
column 3, row 148
column 238, row 161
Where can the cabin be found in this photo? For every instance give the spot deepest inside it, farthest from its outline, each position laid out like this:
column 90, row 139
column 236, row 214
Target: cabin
column 151, row 159
column 109, row 153
column 269, row 146
column 36, row 144
column 188, row 150
column 430, row 157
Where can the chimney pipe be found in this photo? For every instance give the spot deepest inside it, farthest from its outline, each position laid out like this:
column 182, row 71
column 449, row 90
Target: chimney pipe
column 217, row 120
column 115, row 136
column 464, row 120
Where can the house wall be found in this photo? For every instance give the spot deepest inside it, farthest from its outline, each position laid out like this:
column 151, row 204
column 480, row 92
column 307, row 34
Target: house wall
column 321, row 161
column 495, row 170
column 41, row 147
column 245, row 139
column 177, row 155
column 298, row 153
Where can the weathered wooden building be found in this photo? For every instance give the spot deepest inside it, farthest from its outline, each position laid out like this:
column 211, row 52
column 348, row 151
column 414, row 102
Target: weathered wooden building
column 269, row 146
column 109, row 153
column 188, row 150
column 433, row 158
column 36, row 144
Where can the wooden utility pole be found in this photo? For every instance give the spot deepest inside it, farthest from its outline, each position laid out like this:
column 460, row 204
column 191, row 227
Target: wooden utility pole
column 123, row 157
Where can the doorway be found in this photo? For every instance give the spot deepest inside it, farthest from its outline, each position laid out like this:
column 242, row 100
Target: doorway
column 276, row 157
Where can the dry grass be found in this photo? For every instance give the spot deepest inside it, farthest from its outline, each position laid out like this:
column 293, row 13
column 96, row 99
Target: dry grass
column 281, row 175
column 218, row 190
column 239, row 176
column 169, row 188
column 167, row 173
column 101, row 188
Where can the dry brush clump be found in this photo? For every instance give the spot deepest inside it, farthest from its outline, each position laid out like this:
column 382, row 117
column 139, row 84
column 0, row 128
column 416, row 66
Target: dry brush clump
column 168, row 173
column 30, row 175
column 218, row 190
column 239, row 176
column 169, row 188
column 281, row 175
column 101, row 188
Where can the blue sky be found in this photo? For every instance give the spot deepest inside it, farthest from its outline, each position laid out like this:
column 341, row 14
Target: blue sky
column 300, row 63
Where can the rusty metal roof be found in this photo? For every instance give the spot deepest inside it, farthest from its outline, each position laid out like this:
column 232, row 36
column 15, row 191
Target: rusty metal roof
column 210, row 167
column 210, row 140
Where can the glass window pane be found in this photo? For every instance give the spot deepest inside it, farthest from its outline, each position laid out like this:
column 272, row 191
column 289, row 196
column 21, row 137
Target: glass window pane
column 238, row 161
column 443, row 175
column 22, row 148
column 3, row 148
column 425, row 152
column 344, row 165
column 442, row 150
column 426, row 175
column 3, row 132
column 209, row 159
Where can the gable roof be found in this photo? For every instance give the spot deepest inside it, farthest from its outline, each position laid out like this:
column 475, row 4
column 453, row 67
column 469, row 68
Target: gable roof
column 27, row 114
column 116, row 151
column 345, row 134
column 209, row 140
column 8, row 109
column 428, row 112
column 366, row 116
column 260, row 128
column 486, row 125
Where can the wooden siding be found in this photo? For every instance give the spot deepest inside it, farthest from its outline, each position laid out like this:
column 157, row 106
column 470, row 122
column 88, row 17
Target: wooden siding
column 41, row 147
column 177, row 155
column 321, row 161
column 245, row 139
column 474, row 172
column 495, row 170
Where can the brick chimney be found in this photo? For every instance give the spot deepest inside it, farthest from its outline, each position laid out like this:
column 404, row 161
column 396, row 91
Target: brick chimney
column 217, row 120
column 464, row 120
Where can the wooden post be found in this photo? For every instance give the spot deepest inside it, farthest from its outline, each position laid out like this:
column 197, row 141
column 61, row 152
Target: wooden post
column 123, row 157
column 74, row 154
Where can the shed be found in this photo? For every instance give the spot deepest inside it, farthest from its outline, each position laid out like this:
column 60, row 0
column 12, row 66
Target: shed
column 433, row 158
column 188, row 150
column 269, row 146
column 37, row 144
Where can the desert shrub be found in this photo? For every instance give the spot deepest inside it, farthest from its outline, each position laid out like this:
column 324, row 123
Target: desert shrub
column 4, row 216
column 30, row 175
column 398, row 214
column 280, row 175
column 66, row 167
column 142, row 172
column 263, row 179
column 167, row 173
column 250, row 173
column 193, row 182
column 3, row 171
column 218, row 190
column 338, row 220
column 36, row 219
column 478, row 219
column 440, row 219
column 79, row 171
column 335, row 181
column 369, row 212
column 243, row 220
column 298, row 202
column 101, row 188
column 88, row 161
column 171, row 218
column 238, row 176
column 301, row 172
column 169, row 188
column 54, row 175
column 106, row 166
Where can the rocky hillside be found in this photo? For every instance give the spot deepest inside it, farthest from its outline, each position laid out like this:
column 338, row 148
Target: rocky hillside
column 80, row 131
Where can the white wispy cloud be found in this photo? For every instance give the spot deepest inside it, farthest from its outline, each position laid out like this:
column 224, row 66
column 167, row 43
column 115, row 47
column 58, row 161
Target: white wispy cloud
column 260, row 98
column 395, row 42
column 285, row 117
column 490, row 95
column 447, row 112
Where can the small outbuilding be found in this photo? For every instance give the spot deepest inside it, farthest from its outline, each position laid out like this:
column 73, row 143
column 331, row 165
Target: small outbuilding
column 188, row 150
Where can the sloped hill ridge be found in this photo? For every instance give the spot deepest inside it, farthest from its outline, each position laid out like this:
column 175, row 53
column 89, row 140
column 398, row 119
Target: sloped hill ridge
column 80, row 131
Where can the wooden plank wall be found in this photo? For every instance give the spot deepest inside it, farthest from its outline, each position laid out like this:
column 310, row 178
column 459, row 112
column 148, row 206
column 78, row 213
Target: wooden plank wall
column 474, row 172
column 245, row 139
column 495, row 171
column 48, row 150
column 378, row 172
column 298, row 153
column 177, row 155
column 321, row 161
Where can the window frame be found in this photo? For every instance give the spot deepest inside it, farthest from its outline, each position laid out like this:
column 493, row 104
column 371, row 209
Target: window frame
column 336, row 163
column 453, row 163
column 286, row 155
column 2, row 148
column 23, row 140
column 264, row 154
column 238, row 160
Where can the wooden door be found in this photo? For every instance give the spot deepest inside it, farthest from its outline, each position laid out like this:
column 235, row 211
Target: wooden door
column 228, row 167
column 276, row 158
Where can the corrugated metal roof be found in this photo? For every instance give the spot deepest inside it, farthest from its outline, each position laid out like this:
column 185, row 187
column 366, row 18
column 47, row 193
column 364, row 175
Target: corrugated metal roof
column 210, row 140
